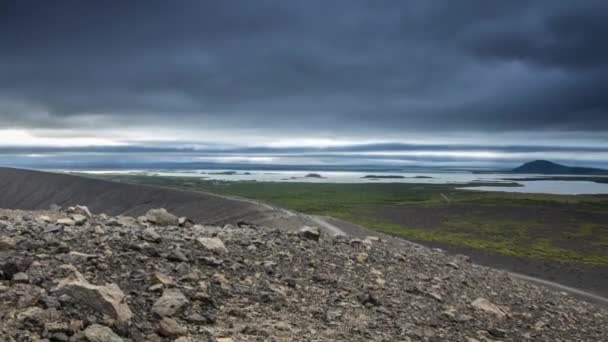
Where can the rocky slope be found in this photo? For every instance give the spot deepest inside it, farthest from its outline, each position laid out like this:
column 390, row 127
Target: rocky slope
column 72, row 276
column 35, row 190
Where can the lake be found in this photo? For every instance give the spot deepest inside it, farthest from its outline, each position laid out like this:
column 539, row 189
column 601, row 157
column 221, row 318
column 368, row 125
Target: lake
column 417, row 176
column 549, row 187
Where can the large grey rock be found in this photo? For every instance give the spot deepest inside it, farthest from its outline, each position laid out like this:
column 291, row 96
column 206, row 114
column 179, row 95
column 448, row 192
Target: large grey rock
column 161, row 217
column 79, row 219
column 7, row 243
column 150, row 235
column 172, row 301
column 127, row 221
column 108, row 300
column 311, row 233
column 82, row 210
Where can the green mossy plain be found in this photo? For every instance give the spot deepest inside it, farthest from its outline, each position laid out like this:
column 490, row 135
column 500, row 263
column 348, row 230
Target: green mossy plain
column 576, row 241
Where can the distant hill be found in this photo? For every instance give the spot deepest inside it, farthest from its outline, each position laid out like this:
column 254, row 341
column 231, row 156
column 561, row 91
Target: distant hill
column 549, row 168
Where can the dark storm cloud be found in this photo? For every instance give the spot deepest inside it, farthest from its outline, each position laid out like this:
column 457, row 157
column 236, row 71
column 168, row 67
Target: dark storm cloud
column 343, row 66
column 293, row 151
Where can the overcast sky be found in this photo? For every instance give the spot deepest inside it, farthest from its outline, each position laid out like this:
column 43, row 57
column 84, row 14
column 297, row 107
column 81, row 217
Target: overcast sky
column 479, row 82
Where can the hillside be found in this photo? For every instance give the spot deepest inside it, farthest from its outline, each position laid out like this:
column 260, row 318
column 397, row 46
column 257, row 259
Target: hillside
column 35, row 190
column 68, row 275
column 550, row 168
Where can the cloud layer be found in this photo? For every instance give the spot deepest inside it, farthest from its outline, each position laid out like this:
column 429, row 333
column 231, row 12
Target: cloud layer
column 265, row 70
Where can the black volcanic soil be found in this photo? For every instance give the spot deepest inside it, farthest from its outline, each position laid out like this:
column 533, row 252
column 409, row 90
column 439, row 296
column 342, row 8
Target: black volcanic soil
column 35, row 190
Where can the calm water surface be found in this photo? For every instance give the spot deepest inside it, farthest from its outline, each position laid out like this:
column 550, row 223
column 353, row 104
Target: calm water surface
column 418, row 176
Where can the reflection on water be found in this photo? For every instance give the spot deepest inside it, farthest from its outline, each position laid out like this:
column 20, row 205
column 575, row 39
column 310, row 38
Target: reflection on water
column 418, row 176
column 549, row 187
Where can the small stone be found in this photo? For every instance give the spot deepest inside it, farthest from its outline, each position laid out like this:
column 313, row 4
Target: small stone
column 183, row 339
column 169, row 327
column 211, row 261
column 496, row 332
column 361, row 258
column 485, row 305
column 369, row 240
column 83, row 255
column 291, row 282
column 163, row 279
column 44, row 219
column 59, row 337
column 54, row 327
column 369, row 298
column 21, row 278
column 156, row 288
column 65, row 221
column 126, row 221
column 82, row 210
column 213, row 245
column 75, row 326
column 453, row 265
column 79, row 219
column 177, row 255
column 99, row 333
column 185, row 222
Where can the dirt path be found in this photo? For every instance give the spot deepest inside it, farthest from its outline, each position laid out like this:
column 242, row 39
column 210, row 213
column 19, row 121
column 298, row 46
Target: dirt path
column 553, row 285
column 328, row 226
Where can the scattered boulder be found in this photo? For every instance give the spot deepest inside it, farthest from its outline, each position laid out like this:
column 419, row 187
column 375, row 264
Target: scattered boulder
column 169, row 327
column 126, row 221
column 310, row 233
column 271, row 284
column 172, row 301
column 79, row 219
column 214, row 245
column 7, row 243
column 44, row 219
column 487, row 306
column 185, row 222
column 21, row 277
column 65, row 221
column 163, row 279
column 161, row 217
column 99, row 333
column 177, row 255
column 150, row 235
column 108, row 300
column 362, row 257
column 82, row 210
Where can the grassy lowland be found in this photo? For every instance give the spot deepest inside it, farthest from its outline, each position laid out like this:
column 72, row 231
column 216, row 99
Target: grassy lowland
column 551, row 227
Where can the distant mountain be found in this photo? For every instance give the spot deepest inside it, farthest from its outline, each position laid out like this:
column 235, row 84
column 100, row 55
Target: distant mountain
column 550, row 168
